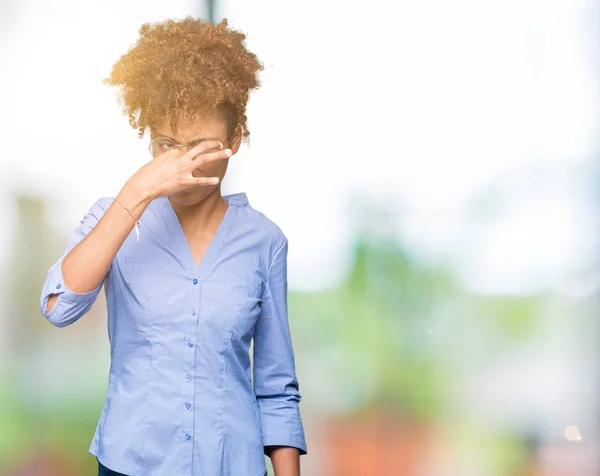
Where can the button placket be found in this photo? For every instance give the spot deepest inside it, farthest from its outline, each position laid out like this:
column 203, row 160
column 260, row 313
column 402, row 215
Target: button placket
column 189, row 359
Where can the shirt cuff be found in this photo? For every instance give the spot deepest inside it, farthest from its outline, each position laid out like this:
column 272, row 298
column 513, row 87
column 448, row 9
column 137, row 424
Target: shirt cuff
column 66, row 296
column 296, row 441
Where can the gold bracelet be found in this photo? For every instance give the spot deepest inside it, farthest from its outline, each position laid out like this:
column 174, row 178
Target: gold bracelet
column 137, row 222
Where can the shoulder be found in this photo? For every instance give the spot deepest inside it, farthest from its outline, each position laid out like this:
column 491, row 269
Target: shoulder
column 104, row 202
column 266, row 225
column 97, row 209
column 259, row 224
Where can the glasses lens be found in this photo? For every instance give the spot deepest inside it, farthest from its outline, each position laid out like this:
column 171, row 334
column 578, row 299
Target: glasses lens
column 162, row 144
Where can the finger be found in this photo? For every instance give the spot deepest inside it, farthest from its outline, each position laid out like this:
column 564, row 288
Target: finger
column 210, row 157
column 168, row 154
column 193, row 181
column 204, row 146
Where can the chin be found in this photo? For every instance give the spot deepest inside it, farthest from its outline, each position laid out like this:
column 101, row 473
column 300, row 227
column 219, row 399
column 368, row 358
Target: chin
column 192, row 197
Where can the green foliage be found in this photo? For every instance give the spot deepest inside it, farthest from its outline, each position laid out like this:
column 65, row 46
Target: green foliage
column 63, row 430
column 401, row 319
column 382, row 314
column 514, row 317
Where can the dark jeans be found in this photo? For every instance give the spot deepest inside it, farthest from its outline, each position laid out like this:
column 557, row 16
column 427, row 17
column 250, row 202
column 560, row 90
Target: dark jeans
column 104, row 471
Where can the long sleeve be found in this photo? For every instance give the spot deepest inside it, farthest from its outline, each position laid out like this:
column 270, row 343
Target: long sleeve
column 70, row 306
column 275, row 382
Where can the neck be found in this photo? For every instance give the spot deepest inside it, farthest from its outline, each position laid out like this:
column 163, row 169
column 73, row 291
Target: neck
column 200, row 215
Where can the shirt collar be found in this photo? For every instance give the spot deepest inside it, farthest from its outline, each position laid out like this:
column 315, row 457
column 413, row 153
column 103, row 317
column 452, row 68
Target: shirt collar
column 239, row 199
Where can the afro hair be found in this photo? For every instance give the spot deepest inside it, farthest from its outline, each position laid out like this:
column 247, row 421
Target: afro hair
column 183, row 68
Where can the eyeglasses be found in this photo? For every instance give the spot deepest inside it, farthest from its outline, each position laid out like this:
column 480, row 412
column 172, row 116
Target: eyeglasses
column 159, row 145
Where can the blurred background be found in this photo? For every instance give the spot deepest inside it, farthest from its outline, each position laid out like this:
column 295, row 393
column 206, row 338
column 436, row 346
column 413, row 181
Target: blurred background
column 444, row 317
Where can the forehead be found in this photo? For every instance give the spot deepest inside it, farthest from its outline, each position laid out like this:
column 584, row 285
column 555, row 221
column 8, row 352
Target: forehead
column 192, row 128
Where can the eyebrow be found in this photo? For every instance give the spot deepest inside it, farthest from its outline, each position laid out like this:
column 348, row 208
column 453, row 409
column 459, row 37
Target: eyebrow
column 193, row 140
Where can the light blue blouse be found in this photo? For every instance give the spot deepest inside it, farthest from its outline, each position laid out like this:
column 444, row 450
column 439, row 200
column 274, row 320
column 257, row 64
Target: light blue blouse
column 182, row 399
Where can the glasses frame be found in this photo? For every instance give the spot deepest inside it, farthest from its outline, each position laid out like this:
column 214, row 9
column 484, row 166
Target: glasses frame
column 186, row 145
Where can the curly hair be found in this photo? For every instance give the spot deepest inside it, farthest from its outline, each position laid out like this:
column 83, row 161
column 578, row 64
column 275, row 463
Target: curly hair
column 180, row 68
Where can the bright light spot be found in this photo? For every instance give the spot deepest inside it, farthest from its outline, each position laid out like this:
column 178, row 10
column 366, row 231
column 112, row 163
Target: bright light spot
column 572, row 433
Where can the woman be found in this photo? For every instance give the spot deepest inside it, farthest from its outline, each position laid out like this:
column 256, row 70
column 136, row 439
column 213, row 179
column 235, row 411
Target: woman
column 191, row 277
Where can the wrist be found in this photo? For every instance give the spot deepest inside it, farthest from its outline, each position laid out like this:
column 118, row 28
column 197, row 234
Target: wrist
column 135, row 194
column 135, row 199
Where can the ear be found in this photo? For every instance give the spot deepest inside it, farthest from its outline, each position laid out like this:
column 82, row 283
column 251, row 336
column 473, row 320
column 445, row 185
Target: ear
column 236, row 141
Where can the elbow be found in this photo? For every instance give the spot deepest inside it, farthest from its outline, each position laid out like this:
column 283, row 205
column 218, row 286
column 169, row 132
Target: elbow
column 286, row 400
column 55, row 318
column 280, row 384
column 60, row 320
column 58, row 315
column 48, row 304
column 289, row 395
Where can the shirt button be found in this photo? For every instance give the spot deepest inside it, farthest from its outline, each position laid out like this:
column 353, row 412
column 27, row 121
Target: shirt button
column 190, row 345
column 188, row 437
column 193, row 312
column 195, row 281
column 58, row 286
column 188, row 376
column 188, row 405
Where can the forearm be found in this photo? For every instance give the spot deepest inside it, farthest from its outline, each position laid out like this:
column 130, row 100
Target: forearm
column 285, row 460
column 86, row 265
